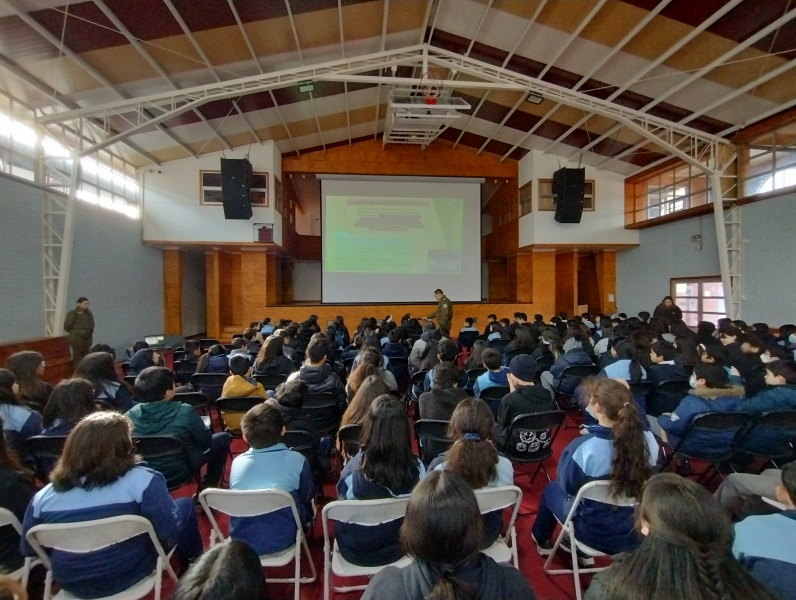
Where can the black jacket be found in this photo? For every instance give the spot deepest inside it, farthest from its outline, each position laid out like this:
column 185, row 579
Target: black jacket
column 322, row 380
column 281, row 365
column 440, row 404
column 524, row 400
column 297, row 419
column 669, row 314
column 415, row 581
column 657, row 402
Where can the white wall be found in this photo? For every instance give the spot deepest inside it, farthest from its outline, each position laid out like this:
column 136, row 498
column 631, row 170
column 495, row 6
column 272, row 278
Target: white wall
column 306, row 281
column 604, row 225
column 308, row 191
column 194, row 300
column 172, row 211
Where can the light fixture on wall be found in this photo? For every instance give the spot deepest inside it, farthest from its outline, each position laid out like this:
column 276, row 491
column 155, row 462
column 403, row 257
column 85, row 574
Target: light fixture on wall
column 306, row 87
column 534, row 98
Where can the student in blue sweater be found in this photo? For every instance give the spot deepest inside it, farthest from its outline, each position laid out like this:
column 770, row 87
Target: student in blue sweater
column 764, row 544
column 385, row 467
column 710, row 393
column 496, row 374
column 617, row 449
column 97, row 477
column 268, row 464
column 779, row 394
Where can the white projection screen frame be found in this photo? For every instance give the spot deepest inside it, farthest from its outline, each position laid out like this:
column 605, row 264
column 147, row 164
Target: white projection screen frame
column 397, row 239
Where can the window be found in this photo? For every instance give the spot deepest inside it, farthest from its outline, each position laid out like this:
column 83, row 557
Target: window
column 768, row 161
column 277, row 195
column 526, row 198
column 676, row 188
column 211, row 188
column 547, row 199
column 700, row 299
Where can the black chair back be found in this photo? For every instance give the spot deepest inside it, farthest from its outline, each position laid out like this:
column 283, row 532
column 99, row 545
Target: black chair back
column 195, row 399
column 125, row 367
column 472, row 375
column 493, row 397
column 322, row 409
column 499, row 344
column 348, row 436
column 130, row 380
column 184, row 367
column 530, row 436
column 300, row 441
column 730, row 423
column 467, row 339
column 573, row 375
column 779, row 425
column 432, row 440
column 543, row 363
column 238, row 406
column 666, row 396
column 210, row 384
column 154, row 447
column 45, row 450
column 348, row 365
column 271, row 382
column 518, row 352
column 298, row 358
column 400, row 368
column 204, row 344
column 640, row 388
column 178, row 354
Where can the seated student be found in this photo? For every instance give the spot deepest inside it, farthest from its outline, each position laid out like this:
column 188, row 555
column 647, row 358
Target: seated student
column 644, row 316
column 371, row 341
column 71, row 400
column 214, row 360
column 109, row 389
column 385, row 467
column 253, row 339
column 443, row 533
column 239, row 349
column 685, row 552
column 419, row 348
column 742, row 494
column 395, row 346
column 266, row 328
column 231, row 571
column 19, row 422
column 441, row 400
column 352, row 350
column 631, row 358
column 496, row 331
column 664, row 368
column 489, row 320
column 475, row 361
column 143, row 357
column 549, row 347
column 269, row 464
column 447, row 352
column 523, row 343
column 779, row 393
column 729, row 338
column 524, row 398
column 764, row 544
column 28, row 369
column 617, row 449
column 687, row 354
column 98, row 476
column 159, row 414
column 18, row 488
column 289, row 400
column 710, row 393
column 271, row 359
column 319, row 376
column 474, row 458
column 496, row 374
column 370, row 363
column 467, row 334
column 193, row 352
column 239, row 384
column 576, row 350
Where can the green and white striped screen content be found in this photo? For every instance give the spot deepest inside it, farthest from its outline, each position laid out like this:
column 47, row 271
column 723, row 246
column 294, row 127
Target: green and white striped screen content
column 397, row 240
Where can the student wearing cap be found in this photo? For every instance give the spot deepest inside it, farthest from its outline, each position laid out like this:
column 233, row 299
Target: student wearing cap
column 524, row 398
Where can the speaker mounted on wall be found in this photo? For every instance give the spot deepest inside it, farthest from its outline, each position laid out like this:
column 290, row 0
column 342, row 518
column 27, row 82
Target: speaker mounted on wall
column 236, row 183
column 568, row 189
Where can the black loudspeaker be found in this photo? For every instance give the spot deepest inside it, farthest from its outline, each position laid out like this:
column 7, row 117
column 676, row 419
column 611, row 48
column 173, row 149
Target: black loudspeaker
column 236, row 183
column 568, row 187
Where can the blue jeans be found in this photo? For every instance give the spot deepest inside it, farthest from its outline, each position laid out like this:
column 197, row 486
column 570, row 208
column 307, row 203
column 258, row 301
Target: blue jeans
column 554, row 507
column 189, row 542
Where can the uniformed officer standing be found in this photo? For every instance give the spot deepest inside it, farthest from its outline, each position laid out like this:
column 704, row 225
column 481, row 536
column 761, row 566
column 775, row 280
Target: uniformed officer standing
column 79, row 324
column 444, row 312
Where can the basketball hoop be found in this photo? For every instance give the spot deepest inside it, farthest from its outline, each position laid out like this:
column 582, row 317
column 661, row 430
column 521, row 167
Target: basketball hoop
column 431, row 86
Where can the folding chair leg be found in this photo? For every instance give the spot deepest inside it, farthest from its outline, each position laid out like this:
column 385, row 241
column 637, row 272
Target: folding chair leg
column 309, row 561
column 297, row 573
column 536, row 472
column 327, row 571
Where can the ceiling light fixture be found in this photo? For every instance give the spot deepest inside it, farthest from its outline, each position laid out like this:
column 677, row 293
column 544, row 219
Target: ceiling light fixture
column 306, row 87
column 534, row 98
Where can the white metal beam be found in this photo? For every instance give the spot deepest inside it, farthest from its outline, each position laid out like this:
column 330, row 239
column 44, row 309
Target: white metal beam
column 342, row 53
column 385, row 10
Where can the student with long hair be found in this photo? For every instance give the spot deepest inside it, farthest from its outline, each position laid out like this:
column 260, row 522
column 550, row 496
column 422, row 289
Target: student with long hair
column 686, row 350
column 385, row 467
column 230, row 571
column 664, row 368
column 705, row 333
column 668, row 310
column 523, row 343
column 474, row 457
column 28, row 368
column 549, row 345
column 109, row 388
column 474, row 361
column 576, row 353
column 271, row 359
column 98, row 476
column 18, row 489
column 631, row 359
column 686, row 550
column 371, row 388
column 442, row 532
column 617, row 449
column 71, row 401
column 19, row 422
column 370, row 364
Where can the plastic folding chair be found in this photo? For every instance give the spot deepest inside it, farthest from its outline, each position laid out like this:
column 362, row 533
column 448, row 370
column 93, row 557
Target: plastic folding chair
column 504, row 548
column 271, row 382
column 125, row 366
column 322, row 409
column 210, row 384
column 300, row 441
column 89, row 536
column 184, row 367
column 198, row 401
column 499, row 344
column 536, row 432
column 666, row 396
column 779, row 422
column 45, row 451
column 231, row 411
column 253, row 503
column 432, row 440
column 298, row 358
column 204, row 344
column 154, row 447
column 9, row 519
column 543, row 363
column 130, row 380
column 597, row 491
column 493, row 396
column 359, row 512
column 417, row 380
column 576, row 372
column 472, row 375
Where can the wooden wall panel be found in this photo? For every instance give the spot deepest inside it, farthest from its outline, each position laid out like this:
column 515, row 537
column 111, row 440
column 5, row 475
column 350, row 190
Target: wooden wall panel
column 606, row 280
column 230, row 308
column 566, row 282
column 253, row 282
column 309, row 247
column 213, row 299
column 287, row 281
column 498, row 281
column 543, row 283
column 588, row 284
column 524, row 277
column 172, row 291
column 273, row 281
column 511, row 278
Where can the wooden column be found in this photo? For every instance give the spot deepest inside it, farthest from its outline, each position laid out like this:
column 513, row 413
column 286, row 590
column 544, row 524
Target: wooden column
column 213, row 293
column 253, row 290
column 606, row 280
column 230, row 290
column 273, row 280
column 567, row 282
column 543, row 283
column 172, row 291
column 287, row 281
column 511, row 278
column 497, row 281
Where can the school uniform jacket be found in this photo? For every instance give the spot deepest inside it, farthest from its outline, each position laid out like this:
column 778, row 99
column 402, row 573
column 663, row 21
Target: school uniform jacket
column 589, row 458
column 764, row 545
column 574, row 357
column 769, row 440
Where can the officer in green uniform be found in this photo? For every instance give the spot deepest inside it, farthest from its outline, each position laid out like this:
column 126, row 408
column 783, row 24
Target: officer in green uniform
column 79, row 324
column 444, row 312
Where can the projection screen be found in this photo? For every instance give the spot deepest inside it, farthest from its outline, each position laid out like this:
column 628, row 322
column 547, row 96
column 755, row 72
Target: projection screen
column 397, row 239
